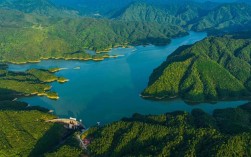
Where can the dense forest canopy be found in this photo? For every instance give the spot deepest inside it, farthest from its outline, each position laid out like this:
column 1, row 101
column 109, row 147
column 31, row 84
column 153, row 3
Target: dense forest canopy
column 25, row 132
column 14, row 85
column 212, row 69
column 109, row 7
column 216, row 68
column 35, row 30
column 23, row 128
column 223, row 134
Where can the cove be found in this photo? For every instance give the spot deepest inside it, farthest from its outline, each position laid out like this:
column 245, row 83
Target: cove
column 109, row 90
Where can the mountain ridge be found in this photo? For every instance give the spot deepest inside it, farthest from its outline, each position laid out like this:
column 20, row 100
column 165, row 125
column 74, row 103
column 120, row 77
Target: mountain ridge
column 40, row 7
column 193, row 16
column 216, row 68
column 224, row 133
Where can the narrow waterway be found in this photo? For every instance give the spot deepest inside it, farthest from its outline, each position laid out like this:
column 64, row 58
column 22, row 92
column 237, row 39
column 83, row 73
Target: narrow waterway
column 109, row 90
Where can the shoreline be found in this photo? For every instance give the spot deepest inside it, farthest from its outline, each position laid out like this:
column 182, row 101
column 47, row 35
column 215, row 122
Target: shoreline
column 98, row 52
column 52, row 97
column 54, row 70
column 59, row 58
column 63, row 81
column 191, row 102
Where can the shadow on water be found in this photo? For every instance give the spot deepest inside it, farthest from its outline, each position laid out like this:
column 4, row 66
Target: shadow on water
column 6, row 94
column 7, row 102
column 234, row 120
column 19, row 106
column 157, row 41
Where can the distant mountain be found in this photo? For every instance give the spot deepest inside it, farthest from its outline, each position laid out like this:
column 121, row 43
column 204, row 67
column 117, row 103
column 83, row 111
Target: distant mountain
column 25, row 40
column 111, row 7
column 217, row 68
column 40, row 7
column 32, row 30
column 194, row 16
column 171, row 14
column 94, row 8
column 230, row 16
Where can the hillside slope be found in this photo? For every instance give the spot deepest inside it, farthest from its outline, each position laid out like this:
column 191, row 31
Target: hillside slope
column 227, row 16
column 24, row 40
column 194, row 16
column 39, row 7
column 32, row 82
column 35, row 30
column 171, row 14
column 23, row 128
column 226, row 133
column 216, row 68
column 25, row 132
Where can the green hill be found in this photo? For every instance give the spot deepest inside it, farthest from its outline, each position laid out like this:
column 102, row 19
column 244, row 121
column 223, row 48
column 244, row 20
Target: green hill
column 39, row 7
column 194, row 16
column 227, row 16
column 23, row 129
column 223, row 134
column 35, row 30
column 32, row 82
column 171, row 14
column 216, row 68
column 68, row 38
column 25, row 132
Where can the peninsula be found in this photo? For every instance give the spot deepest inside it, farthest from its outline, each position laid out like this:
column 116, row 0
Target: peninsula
column 217, row 68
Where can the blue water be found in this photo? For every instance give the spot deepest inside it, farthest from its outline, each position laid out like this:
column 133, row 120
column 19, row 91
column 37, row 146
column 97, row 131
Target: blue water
column 109, row 90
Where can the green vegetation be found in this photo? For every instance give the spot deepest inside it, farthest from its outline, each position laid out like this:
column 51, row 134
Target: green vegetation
column 35, row 30
column 23, row 129
column 212, row 69
column 227, row 17
column 43, row 75
column 31, row 82
column 171, row 14
column 25, row 132
column 70, row 148
column 223, row 134
column 38, row 7
column 209, row 17
column 54, row 70
column 52, row 95
column 30, row 33
column 68, row 38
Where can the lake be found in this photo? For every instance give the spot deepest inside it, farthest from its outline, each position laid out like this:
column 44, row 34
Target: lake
column 109, row 90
